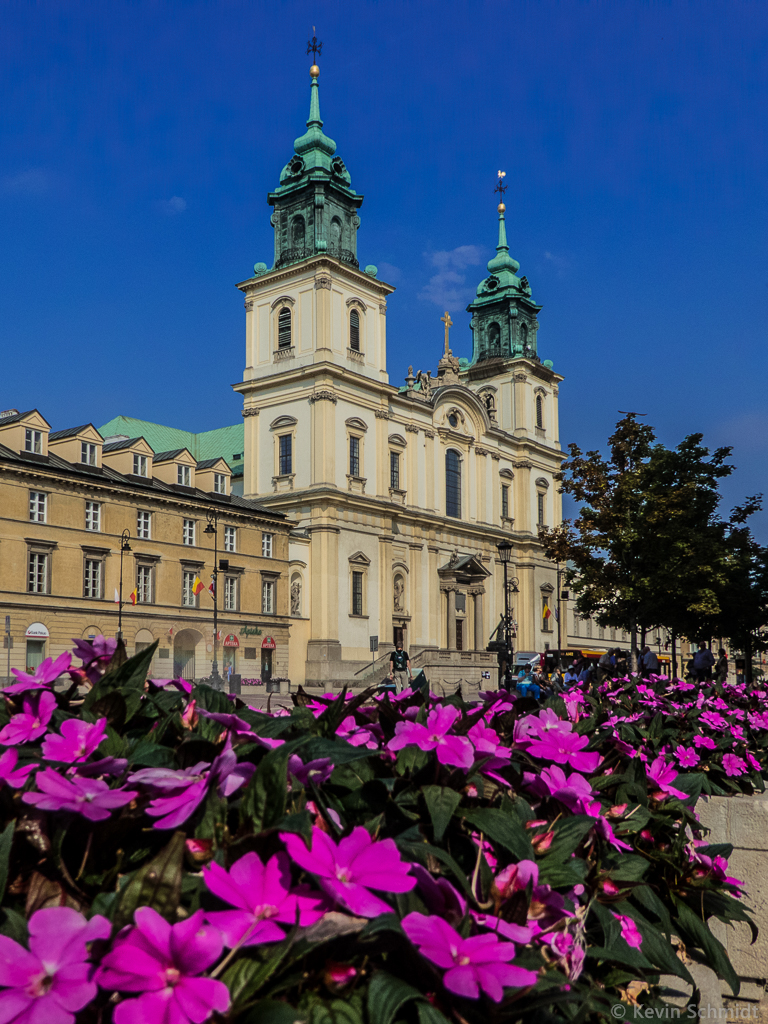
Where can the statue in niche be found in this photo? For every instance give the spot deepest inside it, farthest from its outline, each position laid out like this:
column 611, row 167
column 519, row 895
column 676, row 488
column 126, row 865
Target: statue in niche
column 399, row 593
column 296, row 597
column 335, row 233
column 490, row 404
column 425, row 379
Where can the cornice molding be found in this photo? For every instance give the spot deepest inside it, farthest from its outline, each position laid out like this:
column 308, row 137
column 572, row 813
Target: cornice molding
column 323, row 396
column 251, row 411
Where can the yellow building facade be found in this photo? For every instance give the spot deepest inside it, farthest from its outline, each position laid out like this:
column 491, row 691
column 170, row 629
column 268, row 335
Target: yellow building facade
column 77, row 509
column 398, row 494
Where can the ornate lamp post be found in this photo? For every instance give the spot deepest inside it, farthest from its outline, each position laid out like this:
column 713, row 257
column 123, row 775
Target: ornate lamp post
column 212, row 528
column 505, row 555
column 124, row 547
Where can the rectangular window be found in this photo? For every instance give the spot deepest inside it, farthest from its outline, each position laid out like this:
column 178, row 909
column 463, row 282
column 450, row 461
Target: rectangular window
column 144, row 525
column 219, row 483
column 144, row 584
column 452, row 484
column 354, row 456
column 188, row 533
column 33, row 441
column 268, row 597
column 92, row 578
column 184, row 476
column 37, row 580
column 38, row 507
column 286, row 455
column 93, row 516
column 394, row 470
column 230, row 538
column 540, row 510
column 139, row 465
column 266, row 545
column 88, row 453
column 230, row 594
column 546, row 615
column 505, row 501
column 357, row 593
column 188, row 597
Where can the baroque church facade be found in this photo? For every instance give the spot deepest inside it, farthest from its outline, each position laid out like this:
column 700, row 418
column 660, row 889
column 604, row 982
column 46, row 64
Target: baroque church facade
column 398, row 495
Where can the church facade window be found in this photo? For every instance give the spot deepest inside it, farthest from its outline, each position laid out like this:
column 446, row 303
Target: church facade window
column 453, row 484
column 524, row 337
column 494, row 339
column 335, row 234
column 539, row 412
column 505, row 501
column 284, row 328
column 354, row 330
column 354, row 456
column 394, row 470
column 285, row 458
column 540, row 509
column 298, row 232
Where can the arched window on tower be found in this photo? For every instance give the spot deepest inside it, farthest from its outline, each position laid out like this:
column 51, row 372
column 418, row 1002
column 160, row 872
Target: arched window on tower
column 539, row 411
column 336, row 234
column 453, row 484
column 298, row 233
column 524, row 338
column 494, row 339
column 354, row 330
column 284, row 328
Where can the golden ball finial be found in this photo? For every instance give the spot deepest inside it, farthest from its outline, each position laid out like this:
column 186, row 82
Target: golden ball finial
column 314, row 71
column 501, row 207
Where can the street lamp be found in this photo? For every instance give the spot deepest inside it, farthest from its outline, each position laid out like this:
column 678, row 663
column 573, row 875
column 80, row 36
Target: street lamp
column 124, row 547
column 505, row 555
column 211, row 528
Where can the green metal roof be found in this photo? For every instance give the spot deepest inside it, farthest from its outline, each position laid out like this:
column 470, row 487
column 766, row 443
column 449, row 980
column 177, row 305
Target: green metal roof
column 226, row 442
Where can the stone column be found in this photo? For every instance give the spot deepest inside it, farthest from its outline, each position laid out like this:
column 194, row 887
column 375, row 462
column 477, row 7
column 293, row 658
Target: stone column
column 386, row 593
column 450, row 593
column 251, row 454
column 479, row 625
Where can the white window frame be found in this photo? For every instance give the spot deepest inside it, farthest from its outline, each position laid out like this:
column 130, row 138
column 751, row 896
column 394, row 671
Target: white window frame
column 93, row 578
column 93, row 516
column 38, row 507
column 188, row 533
column 140, row 465
column 33, row 441
column 267, row 597
column 89, row 453
column 219, row 483
column 230, row 539
column 267, row 545
column 188, row 596
column 145, row 584
column 230, row 593
column 38, row 572
column 143, row 524
column 184, row 476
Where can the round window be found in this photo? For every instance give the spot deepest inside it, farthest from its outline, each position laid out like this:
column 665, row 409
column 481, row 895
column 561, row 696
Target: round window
column 453, row 419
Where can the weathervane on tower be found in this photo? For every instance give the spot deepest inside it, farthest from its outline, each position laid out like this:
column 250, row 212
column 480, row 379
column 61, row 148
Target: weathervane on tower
column 501, row 188
column 316, row 50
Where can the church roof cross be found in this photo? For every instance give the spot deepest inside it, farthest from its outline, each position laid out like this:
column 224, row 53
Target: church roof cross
column 448, row 324
column 314, row 47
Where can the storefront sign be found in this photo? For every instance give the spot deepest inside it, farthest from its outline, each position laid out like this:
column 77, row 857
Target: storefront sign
column 37, row 631
column 231, row 641
column 250, row 631
column 268, row 644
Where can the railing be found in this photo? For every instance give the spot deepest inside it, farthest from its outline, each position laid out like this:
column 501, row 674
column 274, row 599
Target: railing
column 288, row 256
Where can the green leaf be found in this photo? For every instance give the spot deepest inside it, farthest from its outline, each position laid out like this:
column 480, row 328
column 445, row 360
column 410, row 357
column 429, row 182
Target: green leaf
column 386, row 996
column 504, row 829
column 429, row 1014
column 152, row 755
column 628, row 868
column 14, row 925
column 245, row 976
column 129, row 676
column 441, row 803
column 420, row 853
column 695, row 932
column 339, row 751
column 272, row 1011
column 266, row 795
column 6, row 843
column 156, row 885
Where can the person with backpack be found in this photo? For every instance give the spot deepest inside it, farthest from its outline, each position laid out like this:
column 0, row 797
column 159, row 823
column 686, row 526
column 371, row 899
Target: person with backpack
column 703, row 660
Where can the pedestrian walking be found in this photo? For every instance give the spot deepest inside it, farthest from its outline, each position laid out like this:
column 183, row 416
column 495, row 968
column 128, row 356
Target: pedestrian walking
column 649, row 663
column 400, row 667
column 721, row 668
column 703, row 660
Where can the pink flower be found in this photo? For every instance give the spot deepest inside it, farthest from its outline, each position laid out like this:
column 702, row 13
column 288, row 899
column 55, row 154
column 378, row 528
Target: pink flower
column 470, row 964
column 90, row 797
column 687, row 756
column 572, row 790
column 45, row 675
column 663, row 774
column 262, row 895
column 565, row 748
column 32, row 722
column 101, row 649
column 162, row 962
column 319, row 770
column 355, row 734
column 733, row 765
column 179, row 684
column 77, row 742
column 486, row 740
column 629, row 930
column 348, row 871
column 453, row 750
column 713, row 720
column 704, row 741
column 53, row 980
column 9, row 774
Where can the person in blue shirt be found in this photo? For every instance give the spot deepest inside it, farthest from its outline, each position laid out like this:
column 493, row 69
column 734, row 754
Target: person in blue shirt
column 527, row 685
column 572, row 674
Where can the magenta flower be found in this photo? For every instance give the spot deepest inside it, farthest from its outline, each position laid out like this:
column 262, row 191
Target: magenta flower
column 32, row 722
column 565, row 748
column 486, row 740
column 77, row 742
column 45, row 675
column 319, row 770
column 704, row 741
column 51, row 981
column 101, row 649
column 713, row 720
column 470, row 964
column 163, row 961
column 90, row 797
column 572, row 790
column 262, row 894
column 236, row 725
column 179, row 684
column 687, row 756
column 9, row 774
column 357, row 735
column 348, row 871
column 629, row 930
column 733, row 765
column 663, row 775
column 453, row 750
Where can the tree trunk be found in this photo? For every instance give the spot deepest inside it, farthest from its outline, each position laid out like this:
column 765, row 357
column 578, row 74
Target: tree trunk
column 633, row 645
column 674, row 655
column 748, row 660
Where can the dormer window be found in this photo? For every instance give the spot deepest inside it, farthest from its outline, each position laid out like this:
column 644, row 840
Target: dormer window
column 88, row 453
column 219, row 483
column 139, row 465
column 33, row 441
column 354, row 330
column 284, row 328
column 184, row 476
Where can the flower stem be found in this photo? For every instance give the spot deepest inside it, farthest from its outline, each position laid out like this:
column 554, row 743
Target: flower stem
column 85, row 856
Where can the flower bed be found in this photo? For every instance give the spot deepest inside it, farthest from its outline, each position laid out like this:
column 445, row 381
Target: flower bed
column 168, row 854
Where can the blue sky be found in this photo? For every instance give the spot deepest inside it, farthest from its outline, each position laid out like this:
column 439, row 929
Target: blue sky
column 138, row 142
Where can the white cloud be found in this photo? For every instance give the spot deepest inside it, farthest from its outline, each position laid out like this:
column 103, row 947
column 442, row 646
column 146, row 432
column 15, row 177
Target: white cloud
column 173, row 205
column 448, row 288
column 32, row 182
column 389, row 273
column 560, row 263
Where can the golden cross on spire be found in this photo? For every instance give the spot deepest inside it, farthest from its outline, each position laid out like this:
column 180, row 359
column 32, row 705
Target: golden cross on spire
column 448, row 323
